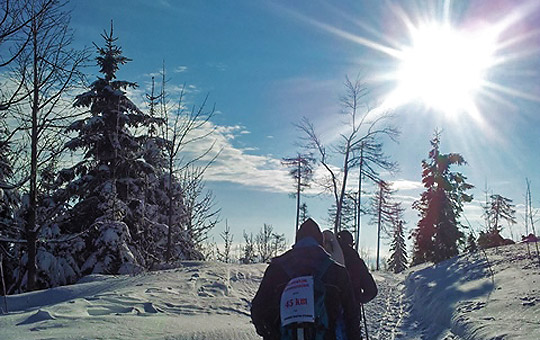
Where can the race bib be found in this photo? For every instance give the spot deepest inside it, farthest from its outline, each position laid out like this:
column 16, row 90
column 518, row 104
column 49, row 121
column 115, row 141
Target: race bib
column 297, row 301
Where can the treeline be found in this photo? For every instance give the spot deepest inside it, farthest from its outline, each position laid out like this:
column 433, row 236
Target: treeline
column 90, row 182
column 253, row 248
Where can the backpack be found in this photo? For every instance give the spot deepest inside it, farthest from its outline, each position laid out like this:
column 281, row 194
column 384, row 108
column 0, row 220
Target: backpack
column 303, row 310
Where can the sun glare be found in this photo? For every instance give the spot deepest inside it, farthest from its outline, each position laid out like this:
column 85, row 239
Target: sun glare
column 449, row 62
column 443, row 68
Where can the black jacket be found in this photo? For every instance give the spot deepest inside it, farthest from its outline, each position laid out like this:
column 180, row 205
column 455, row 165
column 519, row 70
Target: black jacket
column 304, row 260
column 363, row 284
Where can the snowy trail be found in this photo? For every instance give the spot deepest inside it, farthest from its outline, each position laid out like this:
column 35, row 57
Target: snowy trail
column 390, row 314
column 385, row 313
column 199, row 301
column 453, row 300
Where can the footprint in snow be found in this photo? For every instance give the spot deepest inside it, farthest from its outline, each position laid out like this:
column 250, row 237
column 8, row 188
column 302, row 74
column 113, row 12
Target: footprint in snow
column 40, row 315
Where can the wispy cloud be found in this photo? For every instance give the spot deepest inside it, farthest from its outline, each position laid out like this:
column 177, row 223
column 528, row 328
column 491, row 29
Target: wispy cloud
column 218, row 65
column 180, row 69
column 236, row 164
column 405, row 185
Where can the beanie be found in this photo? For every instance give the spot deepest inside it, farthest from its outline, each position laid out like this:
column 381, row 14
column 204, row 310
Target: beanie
column 309, row 229
column 345, row 238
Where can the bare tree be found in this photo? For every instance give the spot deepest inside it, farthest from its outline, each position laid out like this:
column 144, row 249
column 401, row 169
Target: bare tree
column 362, row 135
column 200, row 213
column 184, row 127
column 15, row 19
column 48, row 68
column 530, row 217
column 268, row 243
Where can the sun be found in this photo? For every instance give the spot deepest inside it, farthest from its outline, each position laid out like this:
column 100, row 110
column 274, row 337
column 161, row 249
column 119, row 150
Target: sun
column 443, row 68
column 451, row 57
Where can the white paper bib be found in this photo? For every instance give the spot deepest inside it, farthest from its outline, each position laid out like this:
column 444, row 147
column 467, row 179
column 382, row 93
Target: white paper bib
column 297, row 301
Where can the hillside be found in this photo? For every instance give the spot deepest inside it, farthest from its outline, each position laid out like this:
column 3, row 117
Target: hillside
column 456, row 299
column 462, row 296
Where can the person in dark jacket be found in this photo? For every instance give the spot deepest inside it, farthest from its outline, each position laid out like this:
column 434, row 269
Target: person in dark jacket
column 365, row 288
column 304, row 259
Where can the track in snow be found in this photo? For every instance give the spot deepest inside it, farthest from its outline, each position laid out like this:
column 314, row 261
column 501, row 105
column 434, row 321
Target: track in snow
column 389, row 316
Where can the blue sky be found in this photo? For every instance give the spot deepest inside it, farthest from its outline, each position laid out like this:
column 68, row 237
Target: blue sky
column 266, row 64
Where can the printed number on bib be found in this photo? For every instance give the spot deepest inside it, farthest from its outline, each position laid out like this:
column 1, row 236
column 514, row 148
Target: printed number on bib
column 297, row 301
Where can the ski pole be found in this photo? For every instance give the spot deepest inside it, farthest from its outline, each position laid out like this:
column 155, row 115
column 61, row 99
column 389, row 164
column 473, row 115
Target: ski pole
column 364, row 317
column 3, row 282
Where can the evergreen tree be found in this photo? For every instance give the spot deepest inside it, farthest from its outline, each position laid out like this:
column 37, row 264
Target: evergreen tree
column 500, row 208
column 108, row 184
column 301, row 170
column 348, row 212
column 248, row 249
column 471, row 244
column 227, row 237
column 398, row 250
column 9, row 198
column 437, row 234
column 303, row 212
column 9, row 201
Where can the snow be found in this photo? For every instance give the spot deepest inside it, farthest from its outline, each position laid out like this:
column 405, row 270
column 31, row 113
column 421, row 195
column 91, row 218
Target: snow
column 456, row 299
column 460, row 299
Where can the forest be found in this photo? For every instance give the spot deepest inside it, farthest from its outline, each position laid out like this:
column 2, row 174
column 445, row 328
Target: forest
column 91, row 183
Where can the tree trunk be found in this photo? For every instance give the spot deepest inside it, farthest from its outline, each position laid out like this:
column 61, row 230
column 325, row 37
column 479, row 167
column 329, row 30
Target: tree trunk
column 337, row 226
column 379, row 226
column 169, row 231
column 4, row 291
column 31, row 233
column 298, row 196
column 359, row 206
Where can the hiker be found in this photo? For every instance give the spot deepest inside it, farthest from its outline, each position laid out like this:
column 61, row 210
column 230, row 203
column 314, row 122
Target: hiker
column 363, row 284
column 319, row 283
column 332, row 247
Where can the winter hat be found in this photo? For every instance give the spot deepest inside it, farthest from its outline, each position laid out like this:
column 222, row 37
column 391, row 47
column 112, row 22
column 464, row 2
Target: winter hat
column 309, row 229
column 345, row 238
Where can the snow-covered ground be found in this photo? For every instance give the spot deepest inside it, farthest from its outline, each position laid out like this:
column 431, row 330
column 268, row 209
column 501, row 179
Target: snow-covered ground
column 457, row 299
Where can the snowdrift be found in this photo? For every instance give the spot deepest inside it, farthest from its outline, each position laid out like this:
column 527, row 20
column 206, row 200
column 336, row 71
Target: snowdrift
column 198, row 301
column 473, row 301
column 456, row 299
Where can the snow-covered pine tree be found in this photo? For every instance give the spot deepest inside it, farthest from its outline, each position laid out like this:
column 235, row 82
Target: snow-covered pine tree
column 398, row 250
column 471, row 245
column 108, row 183
column 57, row 249
column 248, row 249
column 9, row 200
column 227, row 237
